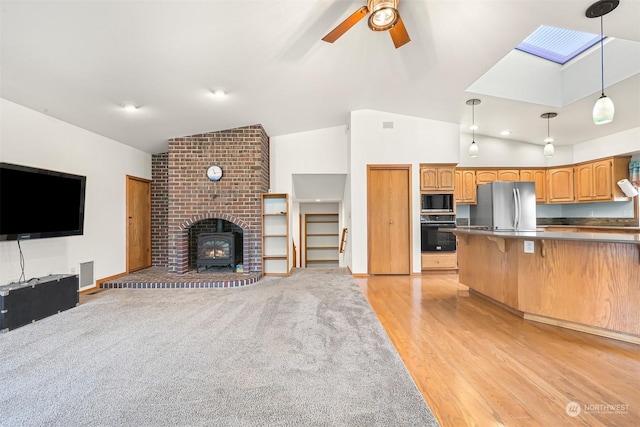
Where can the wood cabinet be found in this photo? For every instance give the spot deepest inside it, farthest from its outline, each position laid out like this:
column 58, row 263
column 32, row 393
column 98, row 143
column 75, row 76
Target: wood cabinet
column 486, row 176
column 508, row 175
column 275, row 234
column 321, row 240
column 437, row 178
column 597, row 181
column 465, row 191
column 439, row 261
column 560, row 187
column 539, row 176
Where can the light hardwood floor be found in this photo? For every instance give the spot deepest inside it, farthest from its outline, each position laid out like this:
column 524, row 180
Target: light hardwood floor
column 477, row 364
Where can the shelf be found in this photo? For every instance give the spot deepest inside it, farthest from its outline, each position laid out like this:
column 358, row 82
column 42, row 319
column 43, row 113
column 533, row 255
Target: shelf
column 275, row 234
column 322, row 240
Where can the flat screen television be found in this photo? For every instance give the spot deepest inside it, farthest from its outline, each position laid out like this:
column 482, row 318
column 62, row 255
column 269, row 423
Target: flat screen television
column 38, row 203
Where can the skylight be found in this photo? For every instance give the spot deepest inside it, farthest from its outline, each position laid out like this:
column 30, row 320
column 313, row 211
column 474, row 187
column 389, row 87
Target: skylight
column 557, row 44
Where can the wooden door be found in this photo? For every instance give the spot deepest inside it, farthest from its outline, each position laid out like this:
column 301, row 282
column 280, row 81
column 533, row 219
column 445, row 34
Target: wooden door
column 509, row 175
column 560, row 185
column 584, row 182
column 539, row 177
column 602, row 185
column 388, row 217
column 486, row 176
column 138, row 223
column 428, row 178
column 446, row 179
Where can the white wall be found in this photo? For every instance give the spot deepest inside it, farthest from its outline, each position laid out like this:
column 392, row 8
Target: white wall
column 30, row 138
column 625, row 142
column 411, row 141
column 500, row 152
column 322, row 151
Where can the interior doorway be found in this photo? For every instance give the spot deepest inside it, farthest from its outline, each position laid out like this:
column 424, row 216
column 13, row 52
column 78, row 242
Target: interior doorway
column 138, row 223
column 389, row 219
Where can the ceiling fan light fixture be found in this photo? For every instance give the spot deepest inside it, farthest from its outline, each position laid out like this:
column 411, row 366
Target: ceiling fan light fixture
column 383, row 14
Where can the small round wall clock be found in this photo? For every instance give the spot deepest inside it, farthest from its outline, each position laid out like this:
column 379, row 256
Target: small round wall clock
column 214, row 173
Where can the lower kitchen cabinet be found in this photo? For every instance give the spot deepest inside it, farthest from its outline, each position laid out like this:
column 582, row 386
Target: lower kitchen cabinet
column 438, row 261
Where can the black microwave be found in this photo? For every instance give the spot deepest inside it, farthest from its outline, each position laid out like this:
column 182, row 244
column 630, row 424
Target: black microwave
column 443, row 202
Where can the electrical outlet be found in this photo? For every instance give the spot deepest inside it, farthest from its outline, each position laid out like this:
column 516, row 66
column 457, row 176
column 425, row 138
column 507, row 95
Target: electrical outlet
column 529, row 247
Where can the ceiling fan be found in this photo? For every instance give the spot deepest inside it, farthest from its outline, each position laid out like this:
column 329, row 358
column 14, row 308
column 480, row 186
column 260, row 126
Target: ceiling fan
column 384, row 16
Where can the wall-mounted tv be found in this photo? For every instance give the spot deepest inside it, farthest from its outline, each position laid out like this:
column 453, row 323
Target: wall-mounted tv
column 38, row 203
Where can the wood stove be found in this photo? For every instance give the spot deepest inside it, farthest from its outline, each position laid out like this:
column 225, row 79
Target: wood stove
column 219, row 250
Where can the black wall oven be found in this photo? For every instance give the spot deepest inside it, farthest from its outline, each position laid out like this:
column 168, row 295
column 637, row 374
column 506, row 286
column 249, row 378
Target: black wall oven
column 433, row 239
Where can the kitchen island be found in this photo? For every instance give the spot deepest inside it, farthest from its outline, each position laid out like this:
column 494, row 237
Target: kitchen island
column 584, row 281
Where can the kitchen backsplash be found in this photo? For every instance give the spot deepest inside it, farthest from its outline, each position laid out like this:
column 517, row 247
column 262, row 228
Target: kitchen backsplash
column 583, row 213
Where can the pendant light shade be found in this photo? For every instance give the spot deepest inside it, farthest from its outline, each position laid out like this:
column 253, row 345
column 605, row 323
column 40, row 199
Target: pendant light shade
column 549, row 150
column 603, row 110
column 473, row 148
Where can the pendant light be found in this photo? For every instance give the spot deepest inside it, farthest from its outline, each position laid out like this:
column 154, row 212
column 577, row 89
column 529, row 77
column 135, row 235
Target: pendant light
column 473, row 148
column 548, row 147
column 603, row 110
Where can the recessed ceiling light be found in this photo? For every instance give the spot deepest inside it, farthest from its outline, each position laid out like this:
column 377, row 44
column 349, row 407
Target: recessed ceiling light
column 505, row 132
column 130, row 107
column 219, row 93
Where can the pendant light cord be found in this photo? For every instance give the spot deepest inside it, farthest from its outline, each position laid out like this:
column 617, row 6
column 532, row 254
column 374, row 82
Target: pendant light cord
column 473, row 122
column 548, row 118
column 602, row 53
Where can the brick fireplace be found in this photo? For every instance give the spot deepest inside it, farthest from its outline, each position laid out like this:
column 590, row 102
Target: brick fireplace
column 184, row 199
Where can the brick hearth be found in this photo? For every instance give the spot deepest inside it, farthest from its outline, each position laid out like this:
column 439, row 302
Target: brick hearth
column 182, row 195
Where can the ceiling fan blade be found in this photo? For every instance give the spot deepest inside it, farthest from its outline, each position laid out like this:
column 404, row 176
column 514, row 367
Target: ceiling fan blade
column 399, row 33
column 346, row 24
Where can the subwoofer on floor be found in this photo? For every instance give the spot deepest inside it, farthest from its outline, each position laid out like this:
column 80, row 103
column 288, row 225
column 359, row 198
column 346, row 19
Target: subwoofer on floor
column 25, row 302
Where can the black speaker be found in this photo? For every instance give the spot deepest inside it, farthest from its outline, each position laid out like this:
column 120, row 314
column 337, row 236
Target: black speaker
column 26, row 302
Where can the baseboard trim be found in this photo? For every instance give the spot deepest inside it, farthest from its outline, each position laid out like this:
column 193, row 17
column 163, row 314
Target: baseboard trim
column 620, row 336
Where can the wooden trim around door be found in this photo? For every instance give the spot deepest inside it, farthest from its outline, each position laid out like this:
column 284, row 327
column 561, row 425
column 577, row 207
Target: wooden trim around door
column 408, row 168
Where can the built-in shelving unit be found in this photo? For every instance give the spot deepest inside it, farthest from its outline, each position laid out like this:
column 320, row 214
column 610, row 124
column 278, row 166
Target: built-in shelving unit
column 322, row 239
column 275, row 234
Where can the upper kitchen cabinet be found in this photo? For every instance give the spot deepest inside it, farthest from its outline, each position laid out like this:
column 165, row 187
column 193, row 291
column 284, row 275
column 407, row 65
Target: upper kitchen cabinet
column 560, row 185
column 485, row 176
column 508, row 175
column 539, row 176
column 465, row 186
column 437, row 178
column 597, row 181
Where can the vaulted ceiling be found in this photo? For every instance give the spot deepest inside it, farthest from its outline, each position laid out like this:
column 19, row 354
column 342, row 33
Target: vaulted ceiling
column 81, row 61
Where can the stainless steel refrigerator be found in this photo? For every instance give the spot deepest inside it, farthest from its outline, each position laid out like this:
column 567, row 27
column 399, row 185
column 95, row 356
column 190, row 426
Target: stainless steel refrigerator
column 505, row 205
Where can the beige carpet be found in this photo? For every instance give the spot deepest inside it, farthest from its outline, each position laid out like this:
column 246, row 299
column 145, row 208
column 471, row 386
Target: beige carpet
column 305, row 350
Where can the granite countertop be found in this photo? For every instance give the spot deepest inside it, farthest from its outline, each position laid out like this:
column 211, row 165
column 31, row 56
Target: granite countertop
column 552, row 235
column 600, row 227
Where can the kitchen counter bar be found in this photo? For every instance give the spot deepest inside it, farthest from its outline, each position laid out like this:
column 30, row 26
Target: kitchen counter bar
column 584, row 281
column 612, row 237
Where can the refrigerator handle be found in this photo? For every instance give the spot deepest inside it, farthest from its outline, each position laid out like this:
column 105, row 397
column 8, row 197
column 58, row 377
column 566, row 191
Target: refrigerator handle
column 515, row 209
column 518, row 207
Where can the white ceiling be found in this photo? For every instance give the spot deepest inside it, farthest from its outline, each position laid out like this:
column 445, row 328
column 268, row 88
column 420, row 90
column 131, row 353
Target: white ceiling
column 80, row 61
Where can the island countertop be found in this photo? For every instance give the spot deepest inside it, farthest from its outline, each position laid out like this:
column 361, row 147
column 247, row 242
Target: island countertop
column 551, row 235
column 577, row 280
